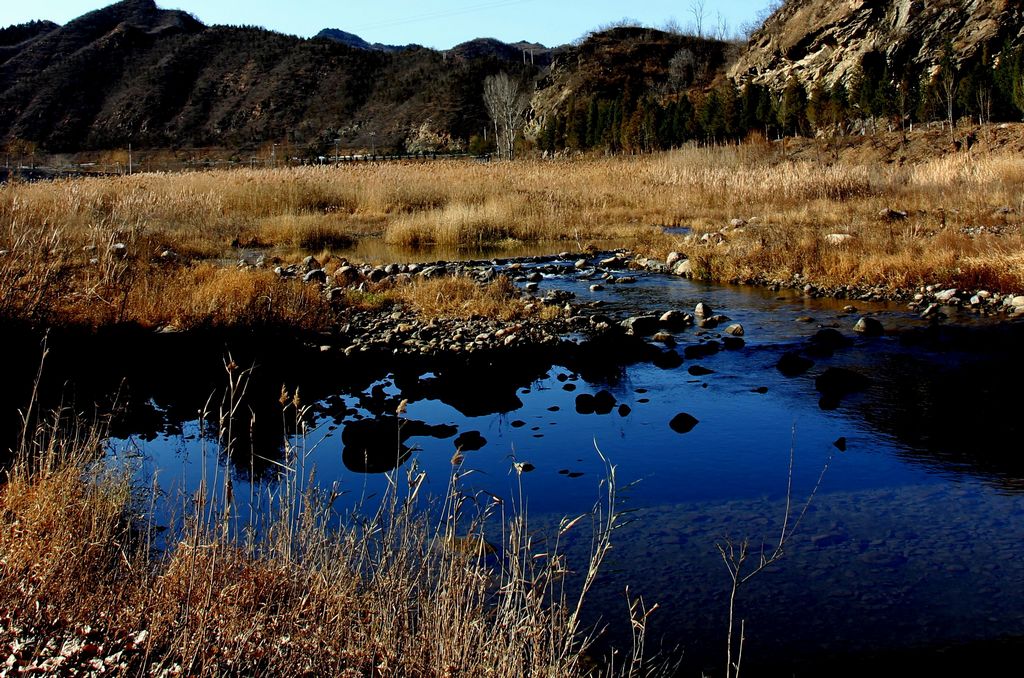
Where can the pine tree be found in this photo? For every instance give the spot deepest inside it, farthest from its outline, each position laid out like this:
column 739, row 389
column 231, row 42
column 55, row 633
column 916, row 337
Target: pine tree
column 793, row 108
column 576, row 134
column 709, row 115
column 839, row 104
column 682, row 121
column 766, row 113
column 817, row 107
column 593, row 124
column 1004, row 75
column 731, row 110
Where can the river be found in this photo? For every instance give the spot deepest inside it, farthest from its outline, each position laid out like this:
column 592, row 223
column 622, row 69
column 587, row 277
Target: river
column 911, row 544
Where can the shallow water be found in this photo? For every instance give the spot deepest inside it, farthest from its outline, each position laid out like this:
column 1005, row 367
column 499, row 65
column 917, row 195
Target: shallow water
column 912, row 541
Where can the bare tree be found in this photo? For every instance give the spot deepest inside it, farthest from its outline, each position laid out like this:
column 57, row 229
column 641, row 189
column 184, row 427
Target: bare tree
column 507, row 100
column 984, row 99
column 682, row 68
column 699, row 13
column 949, row 87
column 721, row 27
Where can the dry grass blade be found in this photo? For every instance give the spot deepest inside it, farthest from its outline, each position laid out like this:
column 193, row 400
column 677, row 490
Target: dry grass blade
column 296, row 587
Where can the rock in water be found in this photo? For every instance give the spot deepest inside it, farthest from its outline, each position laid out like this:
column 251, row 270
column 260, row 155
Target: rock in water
column 869, row 327
column 667, row 360
column 733, row 343
column 703, row 310
column 604, row 402
column 793, row 364
column 675, row 320
column 585, row 403
column 683, row 423
column 470, row 441
column 838, row 381
column 683, row 269
column 641, row 325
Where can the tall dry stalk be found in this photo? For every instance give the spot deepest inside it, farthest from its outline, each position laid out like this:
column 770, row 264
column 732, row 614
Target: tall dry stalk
column 394, row 589
column 735, row 556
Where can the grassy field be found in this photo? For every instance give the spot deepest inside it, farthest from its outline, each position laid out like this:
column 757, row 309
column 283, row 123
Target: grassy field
column 159, row 249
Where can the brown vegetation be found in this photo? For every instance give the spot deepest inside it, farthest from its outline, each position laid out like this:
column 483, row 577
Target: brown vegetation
column 89, row 583
column 462, row 298
column 160, row 249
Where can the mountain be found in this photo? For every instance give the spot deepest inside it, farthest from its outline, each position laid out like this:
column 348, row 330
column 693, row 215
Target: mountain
column 623, row 62
column 521, row 52
column 353, row 40
column 15, row 35
column 824, row 41
column 133, row 73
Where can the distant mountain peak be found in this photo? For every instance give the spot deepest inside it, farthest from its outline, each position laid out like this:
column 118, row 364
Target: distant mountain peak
column 356, row 42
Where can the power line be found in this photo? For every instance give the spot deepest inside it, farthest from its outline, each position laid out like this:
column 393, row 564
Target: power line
column 443, row 14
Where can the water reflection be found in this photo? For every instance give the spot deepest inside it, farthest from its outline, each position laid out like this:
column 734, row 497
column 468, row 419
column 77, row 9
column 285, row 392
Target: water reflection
column 924, row 413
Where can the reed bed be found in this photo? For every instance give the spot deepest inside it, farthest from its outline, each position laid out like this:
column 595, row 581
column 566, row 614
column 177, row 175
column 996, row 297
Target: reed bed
column 89, row 582
column 962, row 223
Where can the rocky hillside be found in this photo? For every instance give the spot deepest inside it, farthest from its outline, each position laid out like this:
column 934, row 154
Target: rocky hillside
column 823, row 41
column 624, row 61
column 133, row 73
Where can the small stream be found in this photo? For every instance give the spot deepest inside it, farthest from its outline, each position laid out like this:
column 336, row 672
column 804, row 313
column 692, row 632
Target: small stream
column 913, row 541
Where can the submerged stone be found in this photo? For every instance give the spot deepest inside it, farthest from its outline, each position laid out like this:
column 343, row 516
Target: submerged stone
column 470, row 441
column 793, row 364
column 683, row 423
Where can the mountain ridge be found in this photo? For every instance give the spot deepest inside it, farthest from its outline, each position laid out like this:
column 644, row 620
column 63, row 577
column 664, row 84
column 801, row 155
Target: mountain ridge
column 134, row 73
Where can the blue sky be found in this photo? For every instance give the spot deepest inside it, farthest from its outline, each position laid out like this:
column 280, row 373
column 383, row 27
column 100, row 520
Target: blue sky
column 440, row 23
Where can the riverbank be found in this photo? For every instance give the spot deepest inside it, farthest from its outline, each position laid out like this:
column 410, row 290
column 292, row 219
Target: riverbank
column 846, row 219
column 92, row 581
column 547, row 404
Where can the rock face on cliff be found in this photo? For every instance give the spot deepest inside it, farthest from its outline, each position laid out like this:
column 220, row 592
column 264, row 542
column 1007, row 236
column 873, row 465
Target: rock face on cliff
column 825, row 40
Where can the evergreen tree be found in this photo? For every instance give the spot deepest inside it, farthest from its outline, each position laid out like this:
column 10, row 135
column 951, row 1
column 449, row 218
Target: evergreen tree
column 593, row 124
column 793, row 108
column 561, row 131
column 1006, row 70
column 732, row 110
column 549, row 134
column 818, row 107
column 765, row 112
column 613, row 134
column 977, row 89
column 749, row 100
column 1008, row 96
column 929, row 103
column 682, row 124
column 576, row 133
column 839, row 105
column 710, row 117
column 666, row 125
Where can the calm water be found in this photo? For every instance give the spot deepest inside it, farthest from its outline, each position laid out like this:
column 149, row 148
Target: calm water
column 914, row 540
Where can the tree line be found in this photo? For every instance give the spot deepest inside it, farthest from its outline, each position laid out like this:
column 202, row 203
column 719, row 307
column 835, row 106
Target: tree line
column 991, row 88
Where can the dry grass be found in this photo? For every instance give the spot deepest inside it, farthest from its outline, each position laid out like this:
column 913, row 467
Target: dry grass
column 954, row 233
column 296, row 589
column 58, row 237
column 463, row 298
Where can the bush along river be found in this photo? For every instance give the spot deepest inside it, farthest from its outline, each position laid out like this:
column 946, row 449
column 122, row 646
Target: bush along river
column 909, row 554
